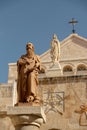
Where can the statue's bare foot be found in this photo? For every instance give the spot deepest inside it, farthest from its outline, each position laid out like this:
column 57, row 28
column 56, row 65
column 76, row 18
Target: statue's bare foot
column 37, row 99
column 30, row 99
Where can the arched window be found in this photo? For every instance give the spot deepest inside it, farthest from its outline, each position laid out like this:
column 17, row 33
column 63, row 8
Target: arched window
column 81, row 67
column 67, row 68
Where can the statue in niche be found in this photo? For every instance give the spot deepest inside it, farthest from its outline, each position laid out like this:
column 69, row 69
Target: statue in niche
column 55, row 49
column 28, row 67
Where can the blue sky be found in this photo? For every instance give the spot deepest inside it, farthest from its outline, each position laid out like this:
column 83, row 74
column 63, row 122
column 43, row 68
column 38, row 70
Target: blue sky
column 36, row 21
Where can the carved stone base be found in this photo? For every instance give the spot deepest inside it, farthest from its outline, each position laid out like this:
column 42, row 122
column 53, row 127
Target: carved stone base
column 26, row 110
column 22, row 118
column 54, row 70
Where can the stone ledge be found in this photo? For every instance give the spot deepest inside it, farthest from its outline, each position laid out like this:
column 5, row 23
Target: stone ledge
column 26, row 110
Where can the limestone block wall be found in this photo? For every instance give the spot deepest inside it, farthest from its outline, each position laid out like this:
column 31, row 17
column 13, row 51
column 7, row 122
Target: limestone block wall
column 6, row 96
column 62, row 97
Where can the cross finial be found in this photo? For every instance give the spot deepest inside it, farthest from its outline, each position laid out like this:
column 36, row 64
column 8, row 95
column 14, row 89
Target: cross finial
column 73, row 22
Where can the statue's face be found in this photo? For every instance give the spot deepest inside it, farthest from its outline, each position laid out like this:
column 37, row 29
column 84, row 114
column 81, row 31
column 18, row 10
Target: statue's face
column 29, row 48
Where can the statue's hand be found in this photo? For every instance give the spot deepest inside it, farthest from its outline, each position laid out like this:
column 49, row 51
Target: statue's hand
column 37, row 64
column 26, row 60
column 42, row 69
column 21, row 61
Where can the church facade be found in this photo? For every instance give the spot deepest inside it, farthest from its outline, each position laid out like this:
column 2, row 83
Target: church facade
column 62, row 86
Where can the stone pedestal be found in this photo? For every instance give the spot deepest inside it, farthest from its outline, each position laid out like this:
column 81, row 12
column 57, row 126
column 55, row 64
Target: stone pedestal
column 54, row 70
column 24, row 117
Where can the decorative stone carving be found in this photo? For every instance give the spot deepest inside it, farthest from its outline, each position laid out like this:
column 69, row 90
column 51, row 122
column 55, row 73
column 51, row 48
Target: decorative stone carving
column 83, row 115
column 54, row 101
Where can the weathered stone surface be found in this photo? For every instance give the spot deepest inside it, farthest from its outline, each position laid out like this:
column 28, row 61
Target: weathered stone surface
column 6, row 124
column 30, row 127
column 6, row 96
column 54, row 70
column 22, row 118
column 26, row 110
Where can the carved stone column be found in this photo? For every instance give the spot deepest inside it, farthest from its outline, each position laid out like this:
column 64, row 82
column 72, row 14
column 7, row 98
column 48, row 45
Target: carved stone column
column 31, row 122
column 26, row 117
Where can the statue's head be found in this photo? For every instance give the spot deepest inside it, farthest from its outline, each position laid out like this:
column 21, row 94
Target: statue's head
column 30, row 48
column 54, row 36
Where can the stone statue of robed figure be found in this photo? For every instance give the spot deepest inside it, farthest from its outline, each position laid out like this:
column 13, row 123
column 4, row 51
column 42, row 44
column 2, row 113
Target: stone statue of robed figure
column 28, row 67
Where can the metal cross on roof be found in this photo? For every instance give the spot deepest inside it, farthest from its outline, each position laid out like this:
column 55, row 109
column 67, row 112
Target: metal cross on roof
column 73, row 22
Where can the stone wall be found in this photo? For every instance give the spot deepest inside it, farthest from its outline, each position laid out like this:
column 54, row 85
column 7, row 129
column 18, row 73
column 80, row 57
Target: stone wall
column 61, row 97
column 6, row 96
